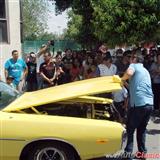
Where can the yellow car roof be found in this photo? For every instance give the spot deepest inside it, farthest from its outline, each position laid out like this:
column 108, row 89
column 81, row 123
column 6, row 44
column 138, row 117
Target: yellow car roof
column 65, row 92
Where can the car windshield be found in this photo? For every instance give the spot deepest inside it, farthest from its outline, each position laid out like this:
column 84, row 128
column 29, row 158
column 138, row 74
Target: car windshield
column 7, row 94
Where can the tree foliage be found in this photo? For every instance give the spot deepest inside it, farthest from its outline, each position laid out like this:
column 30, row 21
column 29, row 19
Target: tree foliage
column 62, row 5
column 80, row 26
column 47, row 36
column 112, row 21
column 74, row 26
column 126, row 21
column 35, row 13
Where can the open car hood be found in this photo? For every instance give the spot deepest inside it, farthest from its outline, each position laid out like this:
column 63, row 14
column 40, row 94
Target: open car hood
column 67, row 92
column 88, row 99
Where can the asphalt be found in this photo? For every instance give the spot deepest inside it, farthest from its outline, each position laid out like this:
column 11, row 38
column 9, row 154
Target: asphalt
column 152, row 139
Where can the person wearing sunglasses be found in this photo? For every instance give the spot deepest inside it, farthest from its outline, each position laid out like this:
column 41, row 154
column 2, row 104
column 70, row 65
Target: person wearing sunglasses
column 141, row 102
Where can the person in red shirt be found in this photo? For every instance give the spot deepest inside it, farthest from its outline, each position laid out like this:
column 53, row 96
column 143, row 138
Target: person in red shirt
column 91, row 73
column 75, row 71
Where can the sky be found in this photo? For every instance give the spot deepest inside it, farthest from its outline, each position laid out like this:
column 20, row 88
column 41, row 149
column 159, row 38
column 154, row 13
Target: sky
column 57, row 23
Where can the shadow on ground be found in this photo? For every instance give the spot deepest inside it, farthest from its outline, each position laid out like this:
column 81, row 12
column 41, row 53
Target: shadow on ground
column 153, row 131
column 156, row 121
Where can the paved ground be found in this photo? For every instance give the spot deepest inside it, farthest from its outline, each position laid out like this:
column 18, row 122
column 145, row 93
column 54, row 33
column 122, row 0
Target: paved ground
column 152, row 139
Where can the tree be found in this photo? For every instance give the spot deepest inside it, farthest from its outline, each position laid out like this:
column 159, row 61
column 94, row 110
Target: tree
column 35, row 13
column 47, row 36
column 74, row 26
column 126, row 21
column 113, row 21
column 80, row 27
column 62, row 5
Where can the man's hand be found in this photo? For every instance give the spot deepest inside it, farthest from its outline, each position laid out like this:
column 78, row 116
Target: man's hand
column 43, row 49
column 103, row 48
column 50, row 81
column 49, row 43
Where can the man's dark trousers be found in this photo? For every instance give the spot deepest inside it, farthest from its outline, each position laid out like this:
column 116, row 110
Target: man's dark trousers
column 138, row 117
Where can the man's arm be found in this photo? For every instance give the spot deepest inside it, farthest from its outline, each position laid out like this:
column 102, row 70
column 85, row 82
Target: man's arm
column 25, row 72
column 128, row 74
column 43, row 75
column 6, row 73
column 42, row 50
column 6, row 67
column 45, row 78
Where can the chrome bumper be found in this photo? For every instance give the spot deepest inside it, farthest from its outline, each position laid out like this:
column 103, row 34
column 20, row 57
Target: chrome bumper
column 124, row 139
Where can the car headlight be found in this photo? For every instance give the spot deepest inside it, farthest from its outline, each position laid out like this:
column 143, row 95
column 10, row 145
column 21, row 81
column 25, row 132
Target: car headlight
column 124, row 139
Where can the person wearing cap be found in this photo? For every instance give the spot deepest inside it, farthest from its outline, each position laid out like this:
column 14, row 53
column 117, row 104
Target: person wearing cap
column 141, row 102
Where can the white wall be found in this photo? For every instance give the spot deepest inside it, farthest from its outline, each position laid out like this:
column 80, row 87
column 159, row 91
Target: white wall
column 13, row 14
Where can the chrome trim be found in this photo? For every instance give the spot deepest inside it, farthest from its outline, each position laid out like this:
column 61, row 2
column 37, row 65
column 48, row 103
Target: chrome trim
column 57, row 139
column 124, row 139
column 51, row 154
column 11, row 139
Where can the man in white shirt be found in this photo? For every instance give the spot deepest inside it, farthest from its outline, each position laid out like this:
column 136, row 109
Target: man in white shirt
column 120, row 99
column 106, row 68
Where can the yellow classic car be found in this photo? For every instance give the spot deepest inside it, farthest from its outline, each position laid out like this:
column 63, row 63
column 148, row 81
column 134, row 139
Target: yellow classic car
column 33, row 126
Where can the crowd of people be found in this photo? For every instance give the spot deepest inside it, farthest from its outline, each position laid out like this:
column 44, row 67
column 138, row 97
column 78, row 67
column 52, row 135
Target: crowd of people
column 142, row 69
column 41, row 70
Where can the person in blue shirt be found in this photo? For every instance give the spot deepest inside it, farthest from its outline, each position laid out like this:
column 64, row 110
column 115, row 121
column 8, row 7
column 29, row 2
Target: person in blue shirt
column 141, row 102
column 17, row 68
